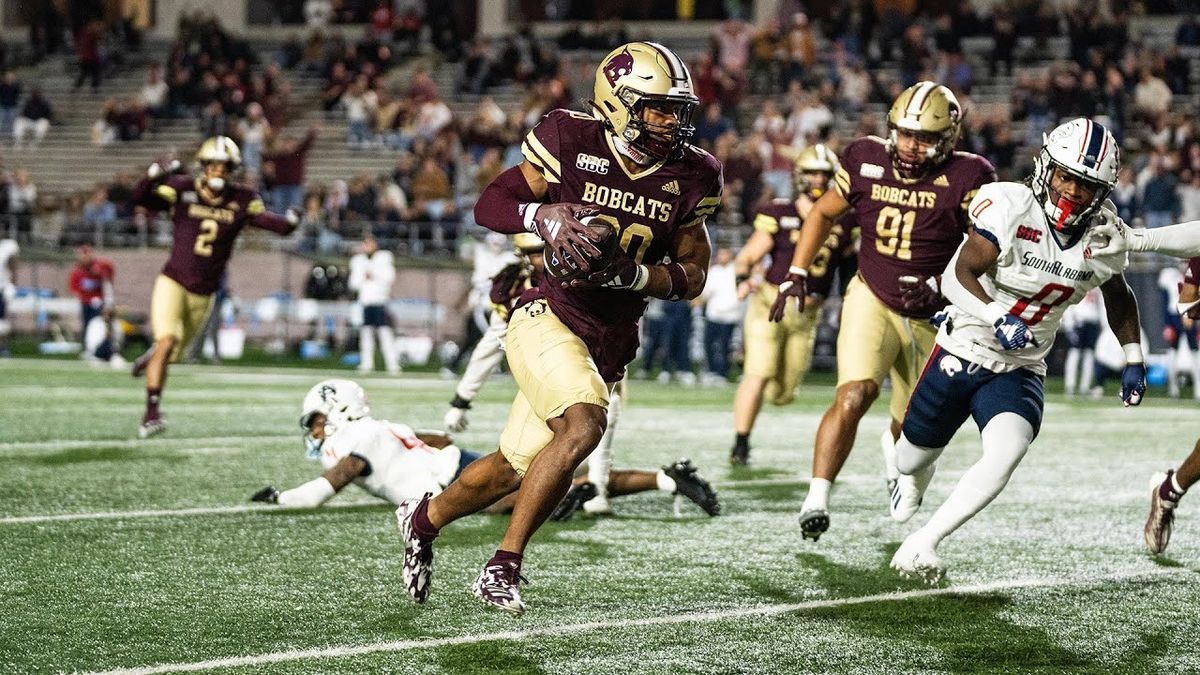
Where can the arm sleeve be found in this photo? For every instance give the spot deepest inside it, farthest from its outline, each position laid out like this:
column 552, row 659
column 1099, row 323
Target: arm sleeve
column 766, row 223
column 385, row 268
column 542, row 148
column 358, row 272
column 488, row 354
column 987, row 211
column 310, row 495
column 153, row 195
column 964, row 299
column 1181, row 241
column 261, row 218
column 501, row 207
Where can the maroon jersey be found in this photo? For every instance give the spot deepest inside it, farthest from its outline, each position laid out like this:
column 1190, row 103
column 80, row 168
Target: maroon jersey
column 782, row 221
column 577, row 157
column 510, row 283
column 205, row 229
column 909, row 227
column 1192, row 276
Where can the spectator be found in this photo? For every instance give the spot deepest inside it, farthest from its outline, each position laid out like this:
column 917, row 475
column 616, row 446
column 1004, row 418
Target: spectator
column 10, row 97
column 1189, row 197
column 22, row 197
column 154, row 92
column 1125, row 195
column 252, row 133
column 318, row 14
column 284, row 169
column 360, row 103
column 431, row 191
column 1151, row 96
column 1159, row 201
column 133, row 121
column 104, row 129
column 801, row 48
column 722, row 313
column 87, row 51
column 711, row 124
column 91, row 281
column 35, row 116
column 383, row 20
column 99, row 214
column 732, row 38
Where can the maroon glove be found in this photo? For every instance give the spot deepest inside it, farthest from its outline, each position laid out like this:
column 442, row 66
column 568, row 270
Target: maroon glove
column 795, row 285
column 558, row 225
column 622, row 273
column 921, row 295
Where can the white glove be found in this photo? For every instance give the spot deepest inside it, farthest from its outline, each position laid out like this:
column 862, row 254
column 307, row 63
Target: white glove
column 1109, row 235
column 293, row 218
column 455, row 420
column 156, row 170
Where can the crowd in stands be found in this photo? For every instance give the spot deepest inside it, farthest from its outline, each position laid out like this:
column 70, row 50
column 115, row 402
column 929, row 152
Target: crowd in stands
column 767, row 91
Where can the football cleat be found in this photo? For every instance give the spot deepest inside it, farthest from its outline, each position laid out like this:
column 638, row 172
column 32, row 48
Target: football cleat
column 890, row 472
column 497, row 586
column 690, row 484
column 140, row 363
column 573, row 500
column 418, row 553
column 907, row 496
column 598, row 506
column 1162, row 514
column 740, row 454
column 814, row 523
column 151, row 427
column 916, row 559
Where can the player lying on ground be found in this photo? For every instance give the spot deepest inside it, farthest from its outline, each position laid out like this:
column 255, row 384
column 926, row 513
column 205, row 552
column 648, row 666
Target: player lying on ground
column 571, row 338
column 208, row 212
column 1028, row 258
column 1181, row 241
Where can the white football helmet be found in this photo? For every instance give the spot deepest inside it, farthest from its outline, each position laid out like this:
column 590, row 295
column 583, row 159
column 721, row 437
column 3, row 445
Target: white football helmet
column 1086, row 150
column 340, row 401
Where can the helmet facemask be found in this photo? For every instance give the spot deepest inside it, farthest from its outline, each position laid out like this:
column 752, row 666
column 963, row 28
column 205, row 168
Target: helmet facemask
column 659, row 142
column 1065, row 215
column 938, row 148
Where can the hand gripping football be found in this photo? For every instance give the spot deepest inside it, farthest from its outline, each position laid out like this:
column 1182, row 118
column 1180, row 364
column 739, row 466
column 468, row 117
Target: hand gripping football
column 603, row 235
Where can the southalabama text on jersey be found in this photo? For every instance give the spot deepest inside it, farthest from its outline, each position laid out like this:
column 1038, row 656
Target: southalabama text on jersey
column 1056, row 268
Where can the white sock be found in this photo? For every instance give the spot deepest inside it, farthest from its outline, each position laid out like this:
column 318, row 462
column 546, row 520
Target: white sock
column 889, row 450
column 1071, row 370
column 387, row 345
column 665, row 482
column 1173, row 372
column 1089, row 370
column 1005, row 440
column 600, row 462
column 366, row 347
column 818, row 495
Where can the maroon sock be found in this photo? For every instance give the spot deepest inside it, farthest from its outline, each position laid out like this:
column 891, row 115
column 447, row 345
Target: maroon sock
column 421, row 525
column 1167, row 490
column 152, row 398
column 503, row 557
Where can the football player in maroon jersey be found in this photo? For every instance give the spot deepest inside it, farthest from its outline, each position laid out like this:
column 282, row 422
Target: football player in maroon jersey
column 208, row 211
column 569, row 341
column 778, row 354
column 909, row 193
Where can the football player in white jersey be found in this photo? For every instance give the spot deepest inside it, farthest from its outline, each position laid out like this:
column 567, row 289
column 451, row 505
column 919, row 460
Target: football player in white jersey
column 1027, row 258
column 8, row 251
column 1181, row 241
column 389, row 460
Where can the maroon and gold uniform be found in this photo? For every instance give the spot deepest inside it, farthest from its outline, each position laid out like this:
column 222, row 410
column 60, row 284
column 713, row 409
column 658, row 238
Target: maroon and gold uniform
column 781, row 352
column 1192, row 275
column 909, row 227
column 204, row 231
column 577, row 157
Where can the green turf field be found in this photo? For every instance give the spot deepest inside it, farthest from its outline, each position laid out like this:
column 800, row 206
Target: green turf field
column 145, row 556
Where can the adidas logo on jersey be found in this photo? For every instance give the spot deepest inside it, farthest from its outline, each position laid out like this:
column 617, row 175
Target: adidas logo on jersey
column 941, row 181
column 672, row 187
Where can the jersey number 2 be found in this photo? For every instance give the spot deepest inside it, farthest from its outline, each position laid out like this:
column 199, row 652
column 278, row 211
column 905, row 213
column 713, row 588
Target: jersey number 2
column 204, row 240
column 1043, row 306
column 894, row 229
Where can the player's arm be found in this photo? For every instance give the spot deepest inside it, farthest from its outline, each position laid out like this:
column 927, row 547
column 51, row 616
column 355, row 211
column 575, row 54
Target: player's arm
column 1181, row 241
column 683, row 278
column 317, row 491
column 434, row 439
column 756, row 248
column 1189, row 301
column 960, row 284
column 819, row 222
column 1120, row 304
column 263, row 219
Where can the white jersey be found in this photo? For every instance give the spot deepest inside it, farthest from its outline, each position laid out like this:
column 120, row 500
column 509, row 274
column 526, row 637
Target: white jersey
column 399, row 465
column 1034, row 277
column 8, row 250
column 372, row 277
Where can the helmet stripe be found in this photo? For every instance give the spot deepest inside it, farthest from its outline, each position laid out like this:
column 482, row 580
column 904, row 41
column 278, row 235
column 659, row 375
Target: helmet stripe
column 1099, row 138
column 675, row 68
column 1084, row 143
column 918, row 99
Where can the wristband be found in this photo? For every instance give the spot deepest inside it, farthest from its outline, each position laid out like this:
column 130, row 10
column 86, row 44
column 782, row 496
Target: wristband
column 798, row 271
column 741, row 278
column 460, row 403
column 528, row 211
column 679, row 282
column 995, row 313
column 1133, row 353
column 640, row 278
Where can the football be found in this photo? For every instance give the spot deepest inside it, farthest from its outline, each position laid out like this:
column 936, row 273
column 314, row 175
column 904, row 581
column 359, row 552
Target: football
column 604, row 236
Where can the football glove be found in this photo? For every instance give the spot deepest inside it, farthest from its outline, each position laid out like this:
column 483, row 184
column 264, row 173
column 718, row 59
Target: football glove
column 1013, row 333
column 293, row 217
column 158, row 172
column 922, row 294
column 268, row 494
column 1133, row 383
column 623, row 273
column 794, row 285
column 558, row 225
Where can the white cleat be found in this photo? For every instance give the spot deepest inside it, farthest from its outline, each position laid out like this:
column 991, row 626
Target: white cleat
column 916, row 559
column 598, row 506
column 907, row 496
column 1157, row 532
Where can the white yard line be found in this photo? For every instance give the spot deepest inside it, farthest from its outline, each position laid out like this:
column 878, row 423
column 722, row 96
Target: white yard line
column 174, row 513
column 152, row 443
column 573, row 629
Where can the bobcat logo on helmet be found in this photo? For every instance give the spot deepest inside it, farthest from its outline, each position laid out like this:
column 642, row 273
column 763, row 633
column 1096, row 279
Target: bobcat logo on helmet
column 643, row 75
column 618, row 66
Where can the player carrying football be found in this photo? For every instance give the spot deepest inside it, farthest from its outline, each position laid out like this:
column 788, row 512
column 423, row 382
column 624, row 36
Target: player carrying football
column 569, row 341
column 1181, row 241
column 208, row 212
column 1029, row 256
column 778, row 354
column 909, row 193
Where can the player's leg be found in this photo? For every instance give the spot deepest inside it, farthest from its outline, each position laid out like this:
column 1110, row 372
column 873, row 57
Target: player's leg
column 167, row 309
column 599, row 464
column 1071, row 365
column 1190, row 334
column 795, row 356
column 1172, row 332
column 867, row 348
column 762, row 340
column 366, row 348
column 1008, row 409
column 387, row 347
column 1089, row 335
column 1166, row 489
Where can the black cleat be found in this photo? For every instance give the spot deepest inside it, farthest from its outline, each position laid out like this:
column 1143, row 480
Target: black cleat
column 814, row 523
column 740, row 454
column 573, row 501
column 690, row 484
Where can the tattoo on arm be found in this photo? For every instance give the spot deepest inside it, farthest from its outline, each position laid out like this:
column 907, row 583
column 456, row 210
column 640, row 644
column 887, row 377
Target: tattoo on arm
column 345, row 471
